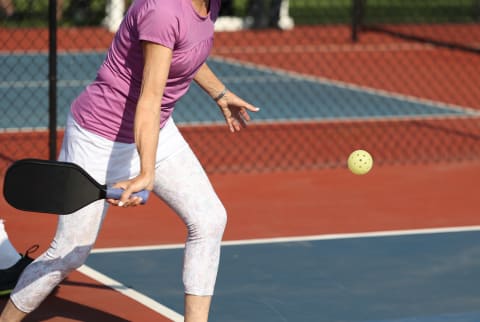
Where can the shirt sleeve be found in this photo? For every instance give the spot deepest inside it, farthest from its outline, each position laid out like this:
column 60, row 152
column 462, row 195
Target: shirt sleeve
column 215, row 6
column 159, row 25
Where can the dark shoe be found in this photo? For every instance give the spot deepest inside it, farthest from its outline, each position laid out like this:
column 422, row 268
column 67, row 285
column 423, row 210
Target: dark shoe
column 10, row 276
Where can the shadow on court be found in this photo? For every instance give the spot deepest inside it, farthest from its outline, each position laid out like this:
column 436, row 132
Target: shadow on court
column 66, row 309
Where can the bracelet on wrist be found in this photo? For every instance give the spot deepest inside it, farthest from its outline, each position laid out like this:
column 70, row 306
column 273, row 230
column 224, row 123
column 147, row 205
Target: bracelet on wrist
column 221, row 95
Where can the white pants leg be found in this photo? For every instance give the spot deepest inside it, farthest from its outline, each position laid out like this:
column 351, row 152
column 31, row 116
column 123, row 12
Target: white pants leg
column 8, row 254
column 180, row 181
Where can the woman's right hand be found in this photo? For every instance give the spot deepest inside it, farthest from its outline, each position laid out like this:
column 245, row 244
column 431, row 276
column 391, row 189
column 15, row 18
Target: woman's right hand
column 139, row 183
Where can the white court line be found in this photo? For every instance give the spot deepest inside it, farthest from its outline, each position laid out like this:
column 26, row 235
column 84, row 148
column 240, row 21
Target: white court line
column 23, row 129
column 130, row 293
column 255, row 241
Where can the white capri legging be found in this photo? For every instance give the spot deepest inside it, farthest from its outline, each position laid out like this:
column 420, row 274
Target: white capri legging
column 179, row 180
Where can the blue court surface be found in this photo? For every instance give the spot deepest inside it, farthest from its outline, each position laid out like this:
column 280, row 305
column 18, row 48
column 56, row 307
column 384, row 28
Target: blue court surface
column 428, row 276
column 287, row 96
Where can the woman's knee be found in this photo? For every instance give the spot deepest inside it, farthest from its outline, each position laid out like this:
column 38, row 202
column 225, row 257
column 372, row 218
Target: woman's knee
column 68, row 259
column 209, row 224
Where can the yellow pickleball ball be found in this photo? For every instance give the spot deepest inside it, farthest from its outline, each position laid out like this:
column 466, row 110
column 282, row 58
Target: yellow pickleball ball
column 360, row 162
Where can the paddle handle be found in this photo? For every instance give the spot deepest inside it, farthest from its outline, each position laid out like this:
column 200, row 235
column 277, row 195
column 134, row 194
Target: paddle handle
column 116, row 193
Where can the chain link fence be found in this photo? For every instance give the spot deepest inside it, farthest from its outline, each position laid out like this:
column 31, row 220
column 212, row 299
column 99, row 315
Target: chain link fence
column 397, row 78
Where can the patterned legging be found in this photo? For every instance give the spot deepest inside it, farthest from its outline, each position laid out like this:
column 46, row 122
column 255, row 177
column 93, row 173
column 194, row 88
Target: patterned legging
column 182, row 183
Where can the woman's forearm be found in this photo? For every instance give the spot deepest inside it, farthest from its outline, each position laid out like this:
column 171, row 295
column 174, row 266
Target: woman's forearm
column 209, row 82
column 147, row 127
column 148, row 113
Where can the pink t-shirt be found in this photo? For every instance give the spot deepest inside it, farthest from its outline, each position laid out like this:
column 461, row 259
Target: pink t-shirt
column 107, row 106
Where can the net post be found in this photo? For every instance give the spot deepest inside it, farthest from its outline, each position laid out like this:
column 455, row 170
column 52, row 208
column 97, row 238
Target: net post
column 52, row 79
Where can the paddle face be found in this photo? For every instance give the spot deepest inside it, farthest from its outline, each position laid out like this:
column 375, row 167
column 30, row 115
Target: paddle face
column 50, row 186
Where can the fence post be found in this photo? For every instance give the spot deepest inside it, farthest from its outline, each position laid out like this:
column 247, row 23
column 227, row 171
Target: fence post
column 357, row 17
column 52, row 79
